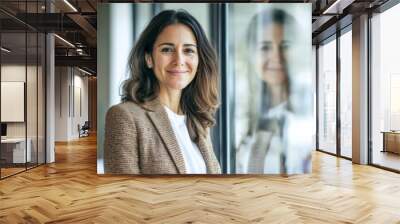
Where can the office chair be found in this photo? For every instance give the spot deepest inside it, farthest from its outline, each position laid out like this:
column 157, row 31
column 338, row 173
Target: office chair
column 84, row 130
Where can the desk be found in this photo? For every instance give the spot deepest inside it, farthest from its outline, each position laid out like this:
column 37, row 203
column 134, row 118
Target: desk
column 15, row 148
column 391, row 141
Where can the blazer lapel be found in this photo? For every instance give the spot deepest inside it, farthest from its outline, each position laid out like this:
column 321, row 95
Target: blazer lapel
column 205, row 151
column 164, row 128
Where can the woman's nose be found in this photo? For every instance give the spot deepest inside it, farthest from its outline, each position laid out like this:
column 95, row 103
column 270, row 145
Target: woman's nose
column 276, row 54
column 179, row 58
column 275, row 59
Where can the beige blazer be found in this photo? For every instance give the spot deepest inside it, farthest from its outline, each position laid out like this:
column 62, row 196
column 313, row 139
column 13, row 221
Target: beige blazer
column 139, row 139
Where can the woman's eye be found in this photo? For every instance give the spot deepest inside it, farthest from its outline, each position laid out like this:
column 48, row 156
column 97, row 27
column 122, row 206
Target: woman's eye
column 190, row 51
column 265, row 47
column 285, row 46
column 167, row 50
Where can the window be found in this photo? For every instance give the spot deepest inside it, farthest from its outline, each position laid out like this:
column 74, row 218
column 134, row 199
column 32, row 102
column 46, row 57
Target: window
column 385, row 85
column 346, row 94
column 327, row 96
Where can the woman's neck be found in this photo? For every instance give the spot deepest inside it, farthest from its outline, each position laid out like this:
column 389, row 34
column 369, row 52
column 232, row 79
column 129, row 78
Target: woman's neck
column 278, row 94
column 171, row 98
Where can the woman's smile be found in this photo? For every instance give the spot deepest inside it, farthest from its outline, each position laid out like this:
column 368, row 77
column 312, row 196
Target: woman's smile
column 177, row 72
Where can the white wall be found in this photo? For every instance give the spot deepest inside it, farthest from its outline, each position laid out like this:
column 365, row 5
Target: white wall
column 61, row 103
column 12, row 73
column 79, row 117
column 71, row 87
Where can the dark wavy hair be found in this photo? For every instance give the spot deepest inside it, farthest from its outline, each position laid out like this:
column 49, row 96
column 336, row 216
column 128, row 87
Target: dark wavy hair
column 199, row 100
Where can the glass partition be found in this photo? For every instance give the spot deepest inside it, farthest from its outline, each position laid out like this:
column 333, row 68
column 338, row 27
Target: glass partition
column 14, row 151
column 327, row 96
column 22, row 90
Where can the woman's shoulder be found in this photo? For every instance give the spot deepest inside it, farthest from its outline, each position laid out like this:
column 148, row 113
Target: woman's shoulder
column 126, row 108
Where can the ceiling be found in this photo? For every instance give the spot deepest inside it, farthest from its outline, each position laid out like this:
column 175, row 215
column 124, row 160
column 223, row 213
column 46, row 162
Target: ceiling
column 332, row 15
column 76, row 22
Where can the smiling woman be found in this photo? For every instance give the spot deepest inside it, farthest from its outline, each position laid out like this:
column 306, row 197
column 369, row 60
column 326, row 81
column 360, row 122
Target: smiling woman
column 162, row 125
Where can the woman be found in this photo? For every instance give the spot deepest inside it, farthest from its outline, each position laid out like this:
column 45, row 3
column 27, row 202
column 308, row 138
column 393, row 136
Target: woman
column 265, row 148
column 162, row 125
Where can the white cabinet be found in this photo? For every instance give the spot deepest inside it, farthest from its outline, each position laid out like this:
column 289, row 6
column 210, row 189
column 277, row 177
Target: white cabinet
column 17, row 146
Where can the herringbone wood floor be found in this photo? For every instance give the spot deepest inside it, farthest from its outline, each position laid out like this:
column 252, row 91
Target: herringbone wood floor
column 70, row 191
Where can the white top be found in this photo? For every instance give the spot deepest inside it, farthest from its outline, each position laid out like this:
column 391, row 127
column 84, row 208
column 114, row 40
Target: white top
column 194, row 161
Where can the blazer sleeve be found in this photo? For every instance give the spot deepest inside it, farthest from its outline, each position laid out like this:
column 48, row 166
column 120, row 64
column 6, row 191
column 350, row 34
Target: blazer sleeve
column 120, row 145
